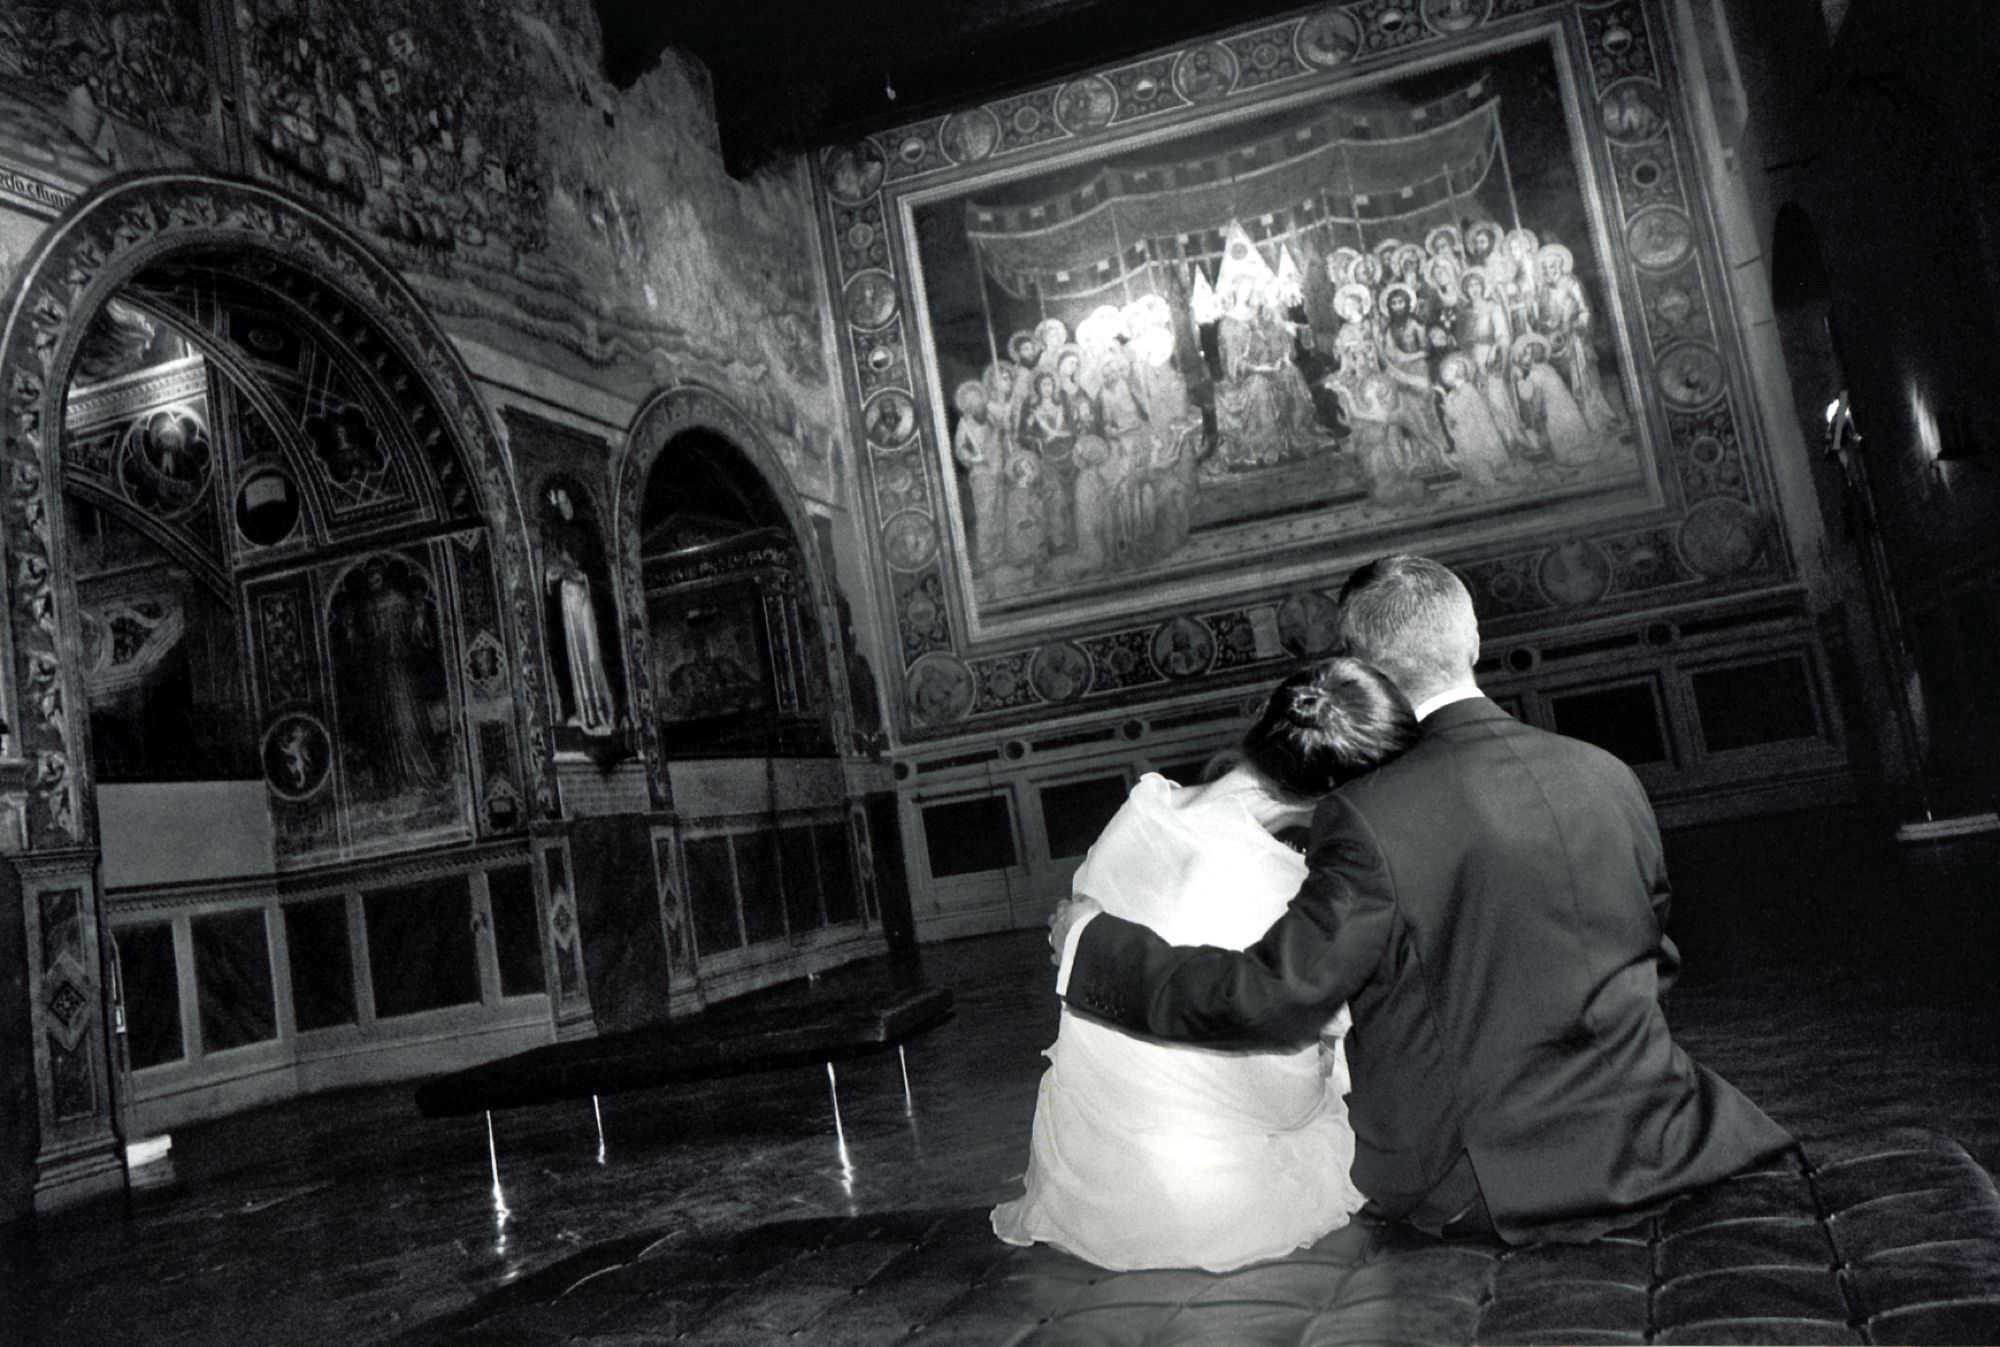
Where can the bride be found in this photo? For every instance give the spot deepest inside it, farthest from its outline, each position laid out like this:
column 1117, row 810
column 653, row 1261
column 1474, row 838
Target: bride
column 1148, row 1154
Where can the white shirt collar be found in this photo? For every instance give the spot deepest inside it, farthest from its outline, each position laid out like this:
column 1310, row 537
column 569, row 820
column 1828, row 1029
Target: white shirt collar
column 1465, row 692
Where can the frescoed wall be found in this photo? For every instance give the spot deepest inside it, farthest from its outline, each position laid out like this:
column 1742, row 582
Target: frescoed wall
column 595, row 223
column 1145, row 361
column 115, row 84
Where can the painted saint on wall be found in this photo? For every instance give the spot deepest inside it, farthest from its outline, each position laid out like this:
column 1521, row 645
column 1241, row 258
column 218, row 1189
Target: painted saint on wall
column 1324, row 325
column 395, row 720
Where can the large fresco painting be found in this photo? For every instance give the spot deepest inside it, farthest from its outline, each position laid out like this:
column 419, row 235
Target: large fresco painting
column 536, row 207
column 1339, row 322
column 1146, row 360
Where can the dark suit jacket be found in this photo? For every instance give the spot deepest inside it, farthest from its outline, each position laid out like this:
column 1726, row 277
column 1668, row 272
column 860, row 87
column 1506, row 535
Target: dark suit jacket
column 1492, row 905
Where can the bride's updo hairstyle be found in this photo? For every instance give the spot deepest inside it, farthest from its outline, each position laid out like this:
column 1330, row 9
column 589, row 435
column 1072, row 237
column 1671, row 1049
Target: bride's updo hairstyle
column 1327, row 724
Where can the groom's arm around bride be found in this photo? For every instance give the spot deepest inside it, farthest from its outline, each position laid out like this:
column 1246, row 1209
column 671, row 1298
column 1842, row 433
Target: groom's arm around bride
column 1492, row 906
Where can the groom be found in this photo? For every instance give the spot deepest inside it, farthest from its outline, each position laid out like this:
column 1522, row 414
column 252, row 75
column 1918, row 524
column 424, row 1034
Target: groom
column 1492, row 906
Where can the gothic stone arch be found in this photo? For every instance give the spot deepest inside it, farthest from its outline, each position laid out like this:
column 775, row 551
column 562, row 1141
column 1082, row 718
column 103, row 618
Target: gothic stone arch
column 662, row 417
column 84, row 258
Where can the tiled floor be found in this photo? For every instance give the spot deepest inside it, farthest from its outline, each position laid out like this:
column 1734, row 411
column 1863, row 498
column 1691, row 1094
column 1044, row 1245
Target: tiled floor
column 1839, row 980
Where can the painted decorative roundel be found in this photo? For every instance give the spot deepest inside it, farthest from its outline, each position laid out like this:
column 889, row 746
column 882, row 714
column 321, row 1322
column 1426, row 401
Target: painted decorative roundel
column 1675, row 305
column 870, row 299
column 1329, row 38
column 940, row 690
column 1690, row 376
column 1706, row 450
column 1060, row 672
column 889, row 419
column 1455, row 16
column 1308, row 623
column 1575, row 574
column 297, row 754
column 1633, row 111
column 1721, row 537
column 855, row 172
column 1659, row 238
column 971, row 135
column 1086, row 104
column 909, row 541
column 1183, row 648
column 1204, row 74
column 165, row 462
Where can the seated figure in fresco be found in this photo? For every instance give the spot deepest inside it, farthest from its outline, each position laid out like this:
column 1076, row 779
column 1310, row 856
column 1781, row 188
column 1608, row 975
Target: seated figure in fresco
column 1146, row 1154
column 1249, row 410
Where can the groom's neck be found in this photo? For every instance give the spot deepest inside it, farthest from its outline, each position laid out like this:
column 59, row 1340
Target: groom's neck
column 1456, row 692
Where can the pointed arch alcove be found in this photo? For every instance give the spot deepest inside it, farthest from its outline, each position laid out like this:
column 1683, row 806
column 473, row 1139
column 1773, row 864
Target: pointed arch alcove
column 236, row 443
column 740, row 697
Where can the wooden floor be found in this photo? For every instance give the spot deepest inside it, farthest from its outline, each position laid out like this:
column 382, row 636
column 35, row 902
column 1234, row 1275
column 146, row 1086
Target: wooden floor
column 1841, row 981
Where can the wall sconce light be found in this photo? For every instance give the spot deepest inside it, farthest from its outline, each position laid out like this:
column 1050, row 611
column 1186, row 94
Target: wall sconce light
column 1841, row 432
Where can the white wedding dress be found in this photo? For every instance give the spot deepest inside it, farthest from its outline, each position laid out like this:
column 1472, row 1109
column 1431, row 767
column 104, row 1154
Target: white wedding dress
column 1149, row 1154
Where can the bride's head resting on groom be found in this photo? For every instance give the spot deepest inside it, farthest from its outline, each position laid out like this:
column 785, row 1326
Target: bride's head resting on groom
column 1326, row 725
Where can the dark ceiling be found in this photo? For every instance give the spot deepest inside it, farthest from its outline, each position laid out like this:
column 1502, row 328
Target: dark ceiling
column 790, row 75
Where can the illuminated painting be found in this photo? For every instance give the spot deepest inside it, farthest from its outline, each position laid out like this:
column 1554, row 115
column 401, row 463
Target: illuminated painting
column 1368, row 316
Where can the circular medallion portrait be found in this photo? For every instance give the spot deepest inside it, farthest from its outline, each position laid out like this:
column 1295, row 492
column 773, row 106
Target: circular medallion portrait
column 889, row 419
column 970, row 135
column 1329, row 38
column 1308, row 624
column 1575, row 574
column 1659, row 238
column 1454, row 16
column 940, row 691
column 855, row 172
column 1183, row 648
column 1060, row 672
column 166, row 461
column 297, row 754
column 1205, row 73
column 909, row 541
column 1086, row 104
column 1633, row 111
column 1721, row 537
column 1690, row 376
column 870, row 299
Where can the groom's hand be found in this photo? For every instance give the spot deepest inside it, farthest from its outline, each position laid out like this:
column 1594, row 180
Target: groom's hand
column 1068, row 913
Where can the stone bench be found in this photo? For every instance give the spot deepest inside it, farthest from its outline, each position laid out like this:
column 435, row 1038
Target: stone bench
column 768, row 1035
column 1885, row 1238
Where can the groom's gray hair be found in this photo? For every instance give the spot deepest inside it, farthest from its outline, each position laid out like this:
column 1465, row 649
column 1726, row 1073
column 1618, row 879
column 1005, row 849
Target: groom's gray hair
column 1411, row 618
